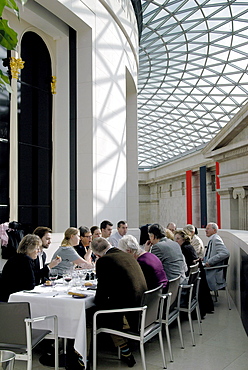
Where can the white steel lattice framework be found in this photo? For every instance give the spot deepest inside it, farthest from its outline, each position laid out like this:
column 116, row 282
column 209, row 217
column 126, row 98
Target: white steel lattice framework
column 193, row 74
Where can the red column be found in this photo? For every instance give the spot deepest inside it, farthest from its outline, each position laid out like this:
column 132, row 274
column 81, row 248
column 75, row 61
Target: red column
column 218, row 213
column 189, row 196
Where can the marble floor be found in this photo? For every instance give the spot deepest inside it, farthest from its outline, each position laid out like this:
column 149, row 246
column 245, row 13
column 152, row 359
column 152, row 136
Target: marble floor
column 223, row 345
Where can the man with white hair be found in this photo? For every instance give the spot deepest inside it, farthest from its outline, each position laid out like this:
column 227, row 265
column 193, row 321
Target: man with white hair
column 216, row 254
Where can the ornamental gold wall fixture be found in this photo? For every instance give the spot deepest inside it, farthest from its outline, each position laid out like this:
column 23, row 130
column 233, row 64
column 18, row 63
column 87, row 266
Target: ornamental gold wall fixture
column 16, row 64
column 53, row 84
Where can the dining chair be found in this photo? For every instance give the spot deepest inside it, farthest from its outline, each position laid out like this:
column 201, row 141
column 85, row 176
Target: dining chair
column 17, row 334
column 171, row 312
column 189, row 303
column 224, row 268
column 150, row 323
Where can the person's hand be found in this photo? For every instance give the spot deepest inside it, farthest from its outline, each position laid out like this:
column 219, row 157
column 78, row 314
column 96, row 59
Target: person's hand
column 207, row 264
column 55, row 262
column 147, row 246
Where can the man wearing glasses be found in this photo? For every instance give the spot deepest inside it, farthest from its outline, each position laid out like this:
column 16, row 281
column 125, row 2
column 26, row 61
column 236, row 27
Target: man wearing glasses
column 84, row 248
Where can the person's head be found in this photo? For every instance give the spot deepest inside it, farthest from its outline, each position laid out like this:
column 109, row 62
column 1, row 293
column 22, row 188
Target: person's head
column 99, row 246
column 44, row 233
column 211, row 228
column 122, row 227
column 169, row 234
column 95, row 231
column 129, row 244
column 156, row 232
column 85, row 235
column 30, row 245
column 189, row 229
column 171, row 226
column 182, row 237
column 71, row 237
column 106, row 228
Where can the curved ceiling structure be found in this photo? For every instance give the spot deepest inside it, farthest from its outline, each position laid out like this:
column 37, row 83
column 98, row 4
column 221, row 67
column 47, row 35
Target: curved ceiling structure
column 193, row 74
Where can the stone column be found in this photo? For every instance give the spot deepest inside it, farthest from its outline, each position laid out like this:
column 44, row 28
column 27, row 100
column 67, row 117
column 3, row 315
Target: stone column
column 229, row 212
column 241, row 193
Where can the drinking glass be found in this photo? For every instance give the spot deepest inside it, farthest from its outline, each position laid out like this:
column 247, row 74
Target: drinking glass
column 53, row 275
column 67, row 278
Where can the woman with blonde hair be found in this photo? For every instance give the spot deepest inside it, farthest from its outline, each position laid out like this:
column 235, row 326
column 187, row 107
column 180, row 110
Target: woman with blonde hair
column 196, row 242
column 183, row 239
column 68, row 254
column 19, row 271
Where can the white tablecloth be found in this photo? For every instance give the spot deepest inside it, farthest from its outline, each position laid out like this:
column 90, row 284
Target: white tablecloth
column 70, row 311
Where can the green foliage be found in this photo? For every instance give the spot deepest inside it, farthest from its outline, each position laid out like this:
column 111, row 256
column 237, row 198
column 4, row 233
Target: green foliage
column 8, row 37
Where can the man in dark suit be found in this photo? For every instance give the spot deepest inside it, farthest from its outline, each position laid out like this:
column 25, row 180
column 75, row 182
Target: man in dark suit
column 41, row 268
column 121, row 284
column 216, row 254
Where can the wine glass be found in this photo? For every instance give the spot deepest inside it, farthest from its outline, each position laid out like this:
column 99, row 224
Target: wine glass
column 53, row 275
column 67, row 278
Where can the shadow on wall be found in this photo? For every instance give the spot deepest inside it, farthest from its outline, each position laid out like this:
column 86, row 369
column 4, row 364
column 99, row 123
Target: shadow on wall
column 244, row 289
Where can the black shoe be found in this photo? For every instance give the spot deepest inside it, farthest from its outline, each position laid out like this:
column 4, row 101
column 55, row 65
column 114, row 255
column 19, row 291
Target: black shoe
column 129, row 360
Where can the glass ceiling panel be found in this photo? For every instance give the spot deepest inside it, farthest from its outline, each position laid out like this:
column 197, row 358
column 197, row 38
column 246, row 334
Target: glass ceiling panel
column 193, row 74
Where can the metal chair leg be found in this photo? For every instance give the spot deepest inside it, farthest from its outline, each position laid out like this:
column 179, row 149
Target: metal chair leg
column 142, row 353
column 191, row 328
column 199, row 319
column 228, row 298
column 162, row 349
column 169, row 342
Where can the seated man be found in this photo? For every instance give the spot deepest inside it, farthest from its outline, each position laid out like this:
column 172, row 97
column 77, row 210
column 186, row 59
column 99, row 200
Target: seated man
column 106, row 228
column 168, row 251
column 41, row 268
column 121, row 283
column 216, row 253
column 121, row 231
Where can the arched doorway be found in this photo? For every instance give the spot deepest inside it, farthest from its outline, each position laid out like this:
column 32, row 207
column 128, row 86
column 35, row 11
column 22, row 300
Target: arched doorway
column 35, row 133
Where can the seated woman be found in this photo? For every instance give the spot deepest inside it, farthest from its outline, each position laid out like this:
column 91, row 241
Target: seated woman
column 196, row 242
column 150, row 264
column 19, row 271
column 183, row 239
column 96, row 232
column 68, row 254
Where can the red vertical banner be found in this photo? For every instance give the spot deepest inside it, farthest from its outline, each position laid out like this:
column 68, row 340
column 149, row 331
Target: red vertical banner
column 218, row 212
column 189, row 196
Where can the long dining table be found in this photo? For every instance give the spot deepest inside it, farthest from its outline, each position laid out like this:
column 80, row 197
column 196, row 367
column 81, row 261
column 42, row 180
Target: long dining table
column 70, row 310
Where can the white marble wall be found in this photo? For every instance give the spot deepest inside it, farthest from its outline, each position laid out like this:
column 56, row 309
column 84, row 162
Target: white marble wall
column 107, row 65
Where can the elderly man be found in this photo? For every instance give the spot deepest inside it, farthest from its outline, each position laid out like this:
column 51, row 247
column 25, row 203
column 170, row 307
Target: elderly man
column 106, row 228
column 216, row 254
column 172, row 227
column 121, row 283
column 121, row 231
column 168, row 251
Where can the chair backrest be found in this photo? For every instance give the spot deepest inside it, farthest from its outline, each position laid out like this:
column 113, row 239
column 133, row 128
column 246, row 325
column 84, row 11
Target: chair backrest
column 225, row 262
column 152, row 299
column 193, row 268
column 173, row 286
column 193, row 279
column 13, row 328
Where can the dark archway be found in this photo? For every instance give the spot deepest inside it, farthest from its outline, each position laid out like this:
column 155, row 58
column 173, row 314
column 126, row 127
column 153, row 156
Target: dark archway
column 35, row 133
column 4, row 144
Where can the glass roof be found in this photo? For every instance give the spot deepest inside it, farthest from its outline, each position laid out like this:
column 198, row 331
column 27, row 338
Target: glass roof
column 193, row 75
